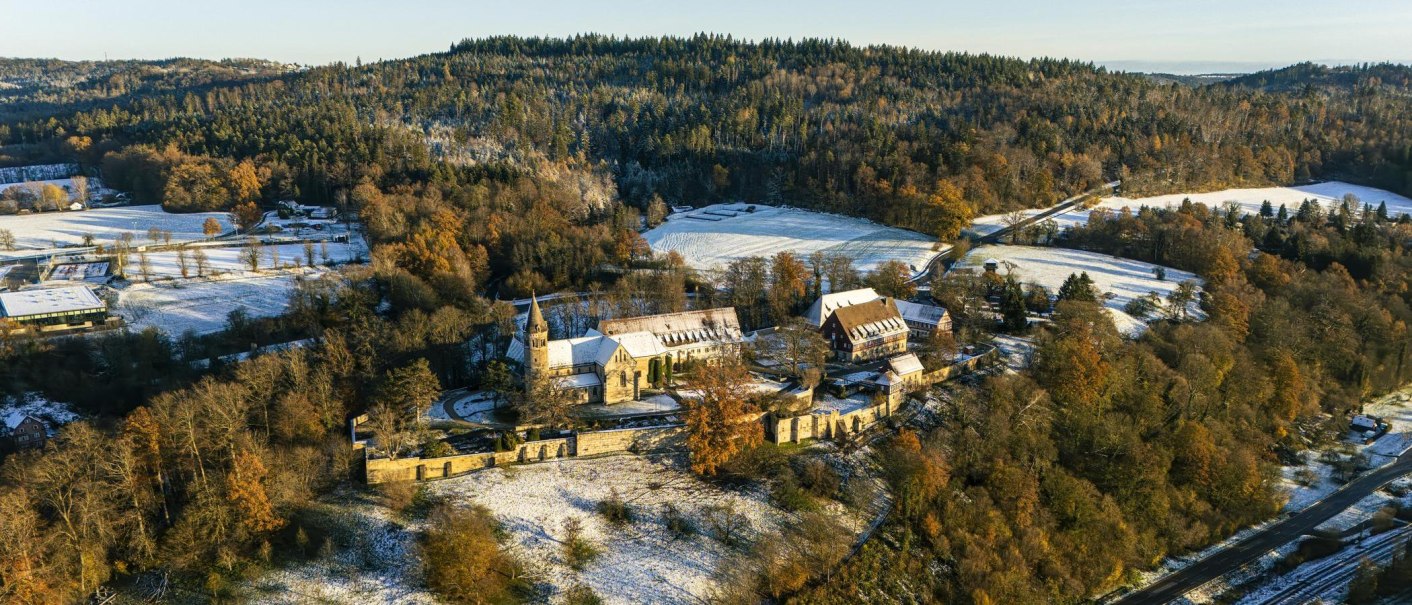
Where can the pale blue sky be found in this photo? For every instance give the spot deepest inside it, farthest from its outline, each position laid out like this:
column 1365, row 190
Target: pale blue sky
column 1200, row 35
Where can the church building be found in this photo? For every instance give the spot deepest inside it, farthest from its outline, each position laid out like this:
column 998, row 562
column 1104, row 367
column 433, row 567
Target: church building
column 624, row 356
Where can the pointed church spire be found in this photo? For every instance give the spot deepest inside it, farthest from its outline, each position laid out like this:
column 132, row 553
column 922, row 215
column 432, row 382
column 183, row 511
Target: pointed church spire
column 536, row 318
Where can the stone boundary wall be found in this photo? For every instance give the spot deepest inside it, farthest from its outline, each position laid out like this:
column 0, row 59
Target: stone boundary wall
column 832, row 424
column 588, row 443
column 959, row 369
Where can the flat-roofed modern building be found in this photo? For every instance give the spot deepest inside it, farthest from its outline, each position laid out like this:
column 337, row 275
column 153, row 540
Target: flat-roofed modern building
column 51, row 308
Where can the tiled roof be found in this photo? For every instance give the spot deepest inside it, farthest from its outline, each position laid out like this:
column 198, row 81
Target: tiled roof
column 867, row 320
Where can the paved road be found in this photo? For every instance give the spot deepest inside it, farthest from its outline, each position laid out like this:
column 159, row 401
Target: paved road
column 938, row 262
column 1178, row 583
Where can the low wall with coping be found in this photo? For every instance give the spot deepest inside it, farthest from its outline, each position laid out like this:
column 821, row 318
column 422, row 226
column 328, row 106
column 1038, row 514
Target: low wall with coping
column 588, row 443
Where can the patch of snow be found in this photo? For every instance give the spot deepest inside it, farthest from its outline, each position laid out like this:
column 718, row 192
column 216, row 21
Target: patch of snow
column 42, row 231
column 53, row 414
column 231, row 259
column 1303, row 496
column 376, row 562
column 462, row 404
column 1015, row 350
column 639, row 563
column 202, row 306
column 724, row 233
column 1328, row 194
column 1126, row 279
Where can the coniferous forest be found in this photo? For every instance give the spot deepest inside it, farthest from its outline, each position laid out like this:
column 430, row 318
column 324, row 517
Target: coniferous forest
column 510, row 165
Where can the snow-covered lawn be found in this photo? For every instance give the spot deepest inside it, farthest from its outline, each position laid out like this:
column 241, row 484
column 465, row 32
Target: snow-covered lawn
column 52, row 413
column 717, row 240
column 640, row 563
column 202, row 306
column 44, row 230
column 467, row 405
column 1049, row 267
column 650, row 404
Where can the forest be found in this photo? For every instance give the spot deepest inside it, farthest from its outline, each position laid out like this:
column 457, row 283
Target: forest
column 510, row 165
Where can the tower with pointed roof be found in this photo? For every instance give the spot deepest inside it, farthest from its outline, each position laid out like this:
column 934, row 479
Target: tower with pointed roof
column 537, row 332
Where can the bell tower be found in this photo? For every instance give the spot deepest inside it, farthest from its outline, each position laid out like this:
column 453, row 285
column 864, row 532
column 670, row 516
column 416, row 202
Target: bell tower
column 537, row 331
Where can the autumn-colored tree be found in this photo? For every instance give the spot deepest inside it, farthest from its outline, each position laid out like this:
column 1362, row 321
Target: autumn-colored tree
column 243, row 182
column 786, row 290
column 1290, row 390
column 917, row 476
column 211, row 227
column 246, row 490
column 464, row 561
column 194, row 186
column 892, row 278
column 950, row 213
column 1070, row 363
column 246, row 216
column 720, row 422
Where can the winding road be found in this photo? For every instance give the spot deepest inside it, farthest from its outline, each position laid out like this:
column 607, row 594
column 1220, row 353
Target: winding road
column 1178, row 583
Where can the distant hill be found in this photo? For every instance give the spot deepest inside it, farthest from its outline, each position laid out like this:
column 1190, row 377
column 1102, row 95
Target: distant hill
column 1295, row 78
column 32, row 87
column 1190, row 79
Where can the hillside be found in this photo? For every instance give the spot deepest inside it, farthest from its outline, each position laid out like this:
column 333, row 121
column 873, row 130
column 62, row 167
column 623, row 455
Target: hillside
column 881, row 132
column 37, row 87
column 1388, row 77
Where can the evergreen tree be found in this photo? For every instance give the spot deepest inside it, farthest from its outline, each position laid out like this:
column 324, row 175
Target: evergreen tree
column 1078, row 287
column 1014, row 316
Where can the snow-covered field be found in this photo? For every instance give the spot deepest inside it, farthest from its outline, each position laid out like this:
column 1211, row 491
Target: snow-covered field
column 203, row 305
column 1048, row 267
column 45, row 230
column 990, row 223
column 1328, row 195
column 640, row 563
column 714, row 243
column 52, row 413
column 230, row 259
